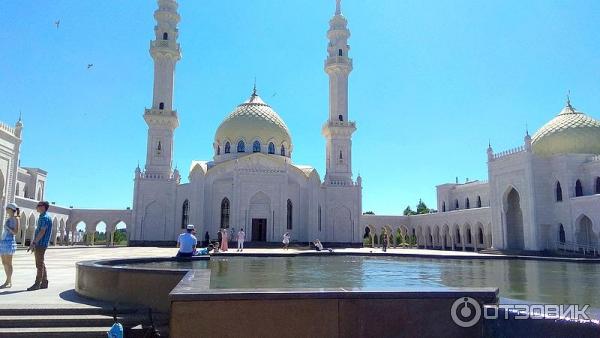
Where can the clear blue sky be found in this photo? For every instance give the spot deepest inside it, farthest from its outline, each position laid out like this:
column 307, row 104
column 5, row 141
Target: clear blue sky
column 432, row 82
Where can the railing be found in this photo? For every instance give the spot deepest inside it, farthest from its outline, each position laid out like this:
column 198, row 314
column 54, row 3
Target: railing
column 7, row 128
column 336, row 123
column 509, row 152
column 587, row 249
column 332, row 60
column 165, row 44
column 595, row 158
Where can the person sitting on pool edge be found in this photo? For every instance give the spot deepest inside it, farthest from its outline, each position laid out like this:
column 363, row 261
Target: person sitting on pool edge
column 186, row 242
column 319, row 246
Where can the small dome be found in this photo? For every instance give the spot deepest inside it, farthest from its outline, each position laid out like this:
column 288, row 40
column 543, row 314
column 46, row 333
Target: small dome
column 571, row 132
column 251, row 121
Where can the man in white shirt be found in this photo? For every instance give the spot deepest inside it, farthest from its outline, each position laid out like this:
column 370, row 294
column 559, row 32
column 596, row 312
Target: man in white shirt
column 241, row 237
column 187, row 242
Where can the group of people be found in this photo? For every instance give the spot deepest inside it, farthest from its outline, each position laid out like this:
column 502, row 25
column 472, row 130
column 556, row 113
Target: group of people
column 38, row 245
column 187, row 242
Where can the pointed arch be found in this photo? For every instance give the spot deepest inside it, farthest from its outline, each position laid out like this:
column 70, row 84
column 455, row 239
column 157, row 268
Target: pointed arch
column 479, row 201
column 561, row 233
column 514, row 220
column 165, row 36
column 282, row 150
column 256, row 146
column 598, row 185
column 185, row 211
column 584, row 233
column 467, row 203
column 559, row 195
column 578, row 189
column 241, row 146
column 227, row 147
column 444, row 206
column 225, row 211
column 456, row 205
column 290, row 218
column 271, row 148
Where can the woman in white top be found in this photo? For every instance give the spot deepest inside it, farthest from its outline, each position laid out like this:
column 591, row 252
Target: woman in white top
column 286, row 240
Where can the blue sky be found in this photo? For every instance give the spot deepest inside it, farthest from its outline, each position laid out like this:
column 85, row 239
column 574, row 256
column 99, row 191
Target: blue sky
column 433, row 81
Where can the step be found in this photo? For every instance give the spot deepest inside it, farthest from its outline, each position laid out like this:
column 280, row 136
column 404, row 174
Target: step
column 70, row 321
column 37, row 332
column 61, row 310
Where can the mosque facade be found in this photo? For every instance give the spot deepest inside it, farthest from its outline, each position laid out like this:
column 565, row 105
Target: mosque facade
column 543, row 195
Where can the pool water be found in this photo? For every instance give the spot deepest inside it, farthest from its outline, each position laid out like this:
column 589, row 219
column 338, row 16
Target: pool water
column 532, row 281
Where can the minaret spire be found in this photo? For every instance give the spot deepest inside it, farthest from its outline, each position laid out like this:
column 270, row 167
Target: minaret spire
column 338, row 129
column 162, row 119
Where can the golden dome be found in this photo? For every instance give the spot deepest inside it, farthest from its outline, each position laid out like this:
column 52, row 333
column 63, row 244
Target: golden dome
column 571, row 132
column 251, row 121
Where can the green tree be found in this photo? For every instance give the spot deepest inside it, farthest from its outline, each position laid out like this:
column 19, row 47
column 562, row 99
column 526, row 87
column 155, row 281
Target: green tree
column 369, row 213
column 408, row 211
column 422, row 207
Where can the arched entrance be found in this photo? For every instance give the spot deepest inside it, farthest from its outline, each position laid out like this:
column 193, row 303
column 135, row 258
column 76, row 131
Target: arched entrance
column 585, row 234
column 514, row 221
column 259, row 212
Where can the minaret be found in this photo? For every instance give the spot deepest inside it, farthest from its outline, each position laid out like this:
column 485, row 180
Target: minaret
column 161, row 118
column 338, row 130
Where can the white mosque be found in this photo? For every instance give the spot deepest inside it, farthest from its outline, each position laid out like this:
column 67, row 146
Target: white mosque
column 543, row 195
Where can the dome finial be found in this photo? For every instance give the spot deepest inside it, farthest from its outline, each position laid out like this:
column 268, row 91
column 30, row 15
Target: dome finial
column 569, row 99
column 338, row 7
column 254, row 89
column 526, row 129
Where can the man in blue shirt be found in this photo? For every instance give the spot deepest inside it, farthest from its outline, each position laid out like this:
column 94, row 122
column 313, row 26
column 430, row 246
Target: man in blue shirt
column 187, row 242
column 43, row 231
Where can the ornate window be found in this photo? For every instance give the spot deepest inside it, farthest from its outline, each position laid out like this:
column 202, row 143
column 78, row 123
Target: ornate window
column 225, row 213
column 467, row 204
column 165, row 36
column 456, row 206
column 227, row 148
column 282, row 152
column 479, row 201
column 597, row 185
column 341, row 118
column 256, row 147
column 271, row 148
column 578, row 189
column 185, row 214
column 444, row 206
column 161, row 106
column 289, row 214
column 241, row 148
column 218, row 150
column 561, row 233
column 340, row 52
column 558, row 192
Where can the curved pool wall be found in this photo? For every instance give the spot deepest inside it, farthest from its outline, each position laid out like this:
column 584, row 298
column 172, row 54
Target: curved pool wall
column 107, row 280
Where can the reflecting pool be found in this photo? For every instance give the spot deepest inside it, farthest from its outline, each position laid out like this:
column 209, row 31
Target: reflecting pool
column 532, row 281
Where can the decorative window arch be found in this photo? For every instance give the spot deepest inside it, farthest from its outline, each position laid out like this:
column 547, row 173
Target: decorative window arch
column 561, row 233
column 256, row 147
column 456, row 206
column 597, row 185
column 241, row 147
column 290, row 210
column 271, row 148
column 227, row 147
column 225, row 208
column 218, row 149
column 558, row 192
column 165, row 36
column 185, row 211
column 479, row 201
column 444, row 206
column 578, row 189
column 161, row 106
column 467, row 203
column 282, row 152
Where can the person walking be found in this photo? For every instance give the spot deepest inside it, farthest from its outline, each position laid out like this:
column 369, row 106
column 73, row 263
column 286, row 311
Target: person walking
column 186, row 242
column 286, row 240
column 225, row 237
column 8, row 244
column 385, row 241
column 241, row 237
column 38, row 246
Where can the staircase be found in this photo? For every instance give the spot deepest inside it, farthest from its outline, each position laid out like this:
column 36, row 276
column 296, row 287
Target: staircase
column 76, row 322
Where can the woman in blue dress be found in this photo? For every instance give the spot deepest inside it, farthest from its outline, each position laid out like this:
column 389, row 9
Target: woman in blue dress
column 8, row 244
